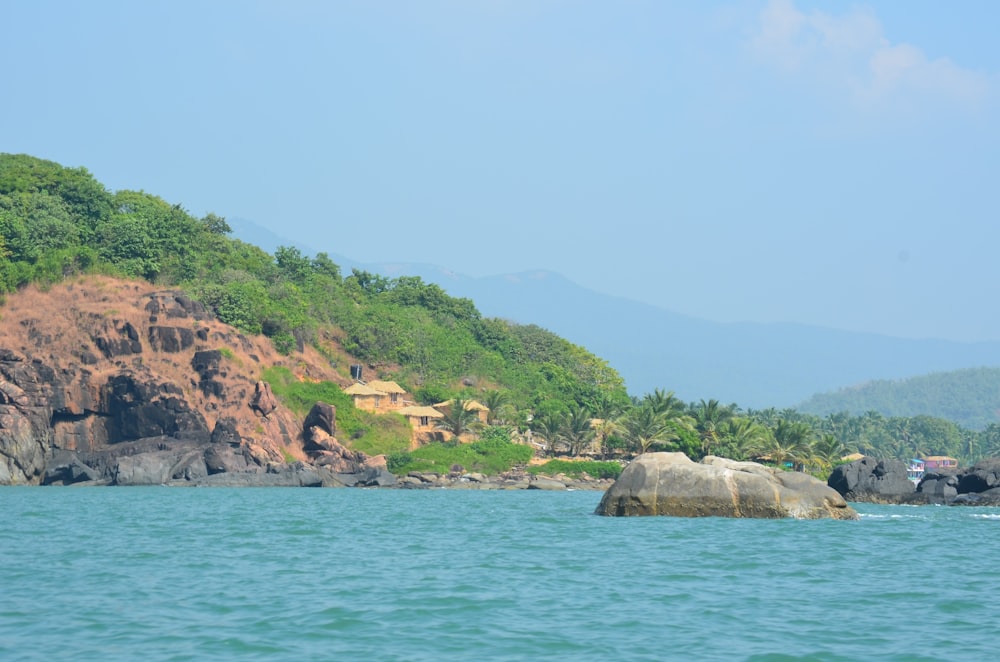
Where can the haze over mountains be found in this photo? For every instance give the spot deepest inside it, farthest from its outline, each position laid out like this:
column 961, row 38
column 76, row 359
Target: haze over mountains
column 754, row 365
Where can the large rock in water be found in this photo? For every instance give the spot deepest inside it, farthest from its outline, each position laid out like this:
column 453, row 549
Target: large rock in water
column 873, row 481
column 671, row 484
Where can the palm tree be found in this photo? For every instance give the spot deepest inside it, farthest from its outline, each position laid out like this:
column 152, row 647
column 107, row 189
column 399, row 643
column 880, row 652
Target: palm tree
column 642, row 427
column 577, row 432
column 828, row 450
column 739, row 437
column 709, row 418
column 548, row 427
column 665, row 403
column 459, row 419
column 498, row 402
column 789, row 442
column 991, row 440
column 604, row 430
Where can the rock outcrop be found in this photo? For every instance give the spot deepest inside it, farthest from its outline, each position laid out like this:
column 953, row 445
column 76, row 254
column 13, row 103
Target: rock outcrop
column 978, row 485
column 110, row 382
column 672, row 484
column 884, row 481
column 874, row 481
column 980, row 477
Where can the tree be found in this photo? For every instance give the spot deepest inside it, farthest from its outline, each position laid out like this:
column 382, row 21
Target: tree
column 577, row 432
column 498, row 402
column 788, row 443
column 216, row 224
column 740, row 437
column 827, row 451
column 709, row 417
column 459, row 419
column 549, row 427
column 643, row 428
column 292, row 263
column 664, row 403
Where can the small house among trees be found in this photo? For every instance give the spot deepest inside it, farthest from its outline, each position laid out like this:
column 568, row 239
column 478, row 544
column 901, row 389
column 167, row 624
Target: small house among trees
column 367, row 398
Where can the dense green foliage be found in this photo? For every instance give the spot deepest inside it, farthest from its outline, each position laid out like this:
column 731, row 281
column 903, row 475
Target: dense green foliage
column 970, row 397
column 494, row 453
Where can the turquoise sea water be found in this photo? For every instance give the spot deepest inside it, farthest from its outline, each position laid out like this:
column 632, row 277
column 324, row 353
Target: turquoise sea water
column 178, row 574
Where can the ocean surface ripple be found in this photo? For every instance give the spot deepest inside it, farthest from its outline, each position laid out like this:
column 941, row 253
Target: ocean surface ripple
column 183, row 574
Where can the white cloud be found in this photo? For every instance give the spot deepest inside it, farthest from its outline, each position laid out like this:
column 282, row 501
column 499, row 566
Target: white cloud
column 850, row 53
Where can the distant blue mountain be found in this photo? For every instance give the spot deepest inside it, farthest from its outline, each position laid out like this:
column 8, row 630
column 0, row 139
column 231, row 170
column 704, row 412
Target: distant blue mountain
column 754, row 365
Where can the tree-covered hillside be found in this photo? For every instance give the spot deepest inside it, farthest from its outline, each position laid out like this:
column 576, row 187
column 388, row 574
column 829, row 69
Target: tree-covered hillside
column 57, row 221
column 969, row 397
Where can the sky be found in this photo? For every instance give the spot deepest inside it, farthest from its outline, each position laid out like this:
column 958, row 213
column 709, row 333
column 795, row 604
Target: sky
column 824, row 163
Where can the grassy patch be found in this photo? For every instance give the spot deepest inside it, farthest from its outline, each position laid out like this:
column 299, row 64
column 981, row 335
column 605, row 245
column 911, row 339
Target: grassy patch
column 593, row 468
column 440, row 457
column 493, row 454
column 381, row 434
column 371, row 434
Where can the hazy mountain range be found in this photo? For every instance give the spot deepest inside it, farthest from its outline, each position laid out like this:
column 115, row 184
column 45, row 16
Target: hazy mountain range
column 754, row 365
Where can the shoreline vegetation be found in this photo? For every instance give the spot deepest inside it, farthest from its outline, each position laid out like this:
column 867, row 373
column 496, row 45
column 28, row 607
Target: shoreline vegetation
column 290, row 332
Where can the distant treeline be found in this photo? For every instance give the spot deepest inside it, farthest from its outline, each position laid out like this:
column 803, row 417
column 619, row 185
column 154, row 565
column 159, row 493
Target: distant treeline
column 969, row 397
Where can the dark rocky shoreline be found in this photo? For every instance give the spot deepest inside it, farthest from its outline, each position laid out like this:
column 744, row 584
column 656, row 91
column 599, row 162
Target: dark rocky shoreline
column 870, row 480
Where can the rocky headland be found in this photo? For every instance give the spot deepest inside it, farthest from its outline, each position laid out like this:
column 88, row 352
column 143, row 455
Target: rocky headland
column 110, row 382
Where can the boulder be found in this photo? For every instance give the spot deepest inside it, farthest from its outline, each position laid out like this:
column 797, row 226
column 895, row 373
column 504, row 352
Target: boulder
column 938, row 487
column 263, row 400
column 322, row 416
column 226, row 432
column 990, row 497
column 873, row 481
column 548, row 484
column 671, row 484
column 980, row 477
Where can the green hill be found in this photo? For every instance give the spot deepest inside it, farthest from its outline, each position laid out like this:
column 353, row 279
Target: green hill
column 969, row 397
column 56, row 222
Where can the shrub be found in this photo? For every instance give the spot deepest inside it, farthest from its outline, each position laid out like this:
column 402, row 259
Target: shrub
column 575, row 469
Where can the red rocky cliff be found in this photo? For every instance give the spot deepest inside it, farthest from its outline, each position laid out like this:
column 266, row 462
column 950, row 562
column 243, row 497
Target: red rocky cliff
column 117, row 382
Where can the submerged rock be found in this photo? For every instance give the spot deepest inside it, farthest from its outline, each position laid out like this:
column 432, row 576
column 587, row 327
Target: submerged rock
column 671, row 484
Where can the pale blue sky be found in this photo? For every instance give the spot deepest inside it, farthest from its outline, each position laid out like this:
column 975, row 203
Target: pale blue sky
column 825, row 163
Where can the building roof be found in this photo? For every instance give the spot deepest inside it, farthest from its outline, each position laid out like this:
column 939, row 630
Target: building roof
column 470, row 405
column 357, row 388
column 386, row 387
column 939, row 458
column 853, row 456
column 420, row 411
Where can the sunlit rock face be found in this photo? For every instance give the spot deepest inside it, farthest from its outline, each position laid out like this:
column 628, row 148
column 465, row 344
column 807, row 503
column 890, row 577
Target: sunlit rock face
column 672, row 484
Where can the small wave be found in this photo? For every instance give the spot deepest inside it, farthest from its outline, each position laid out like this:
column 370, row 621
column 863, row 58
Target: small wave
column 986, row 516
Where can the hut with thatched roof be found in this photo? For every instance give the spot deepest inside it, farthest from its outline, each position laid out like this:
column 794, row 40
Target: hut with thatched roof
column 422, row 419
column 392, row 389
column 365, row 397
